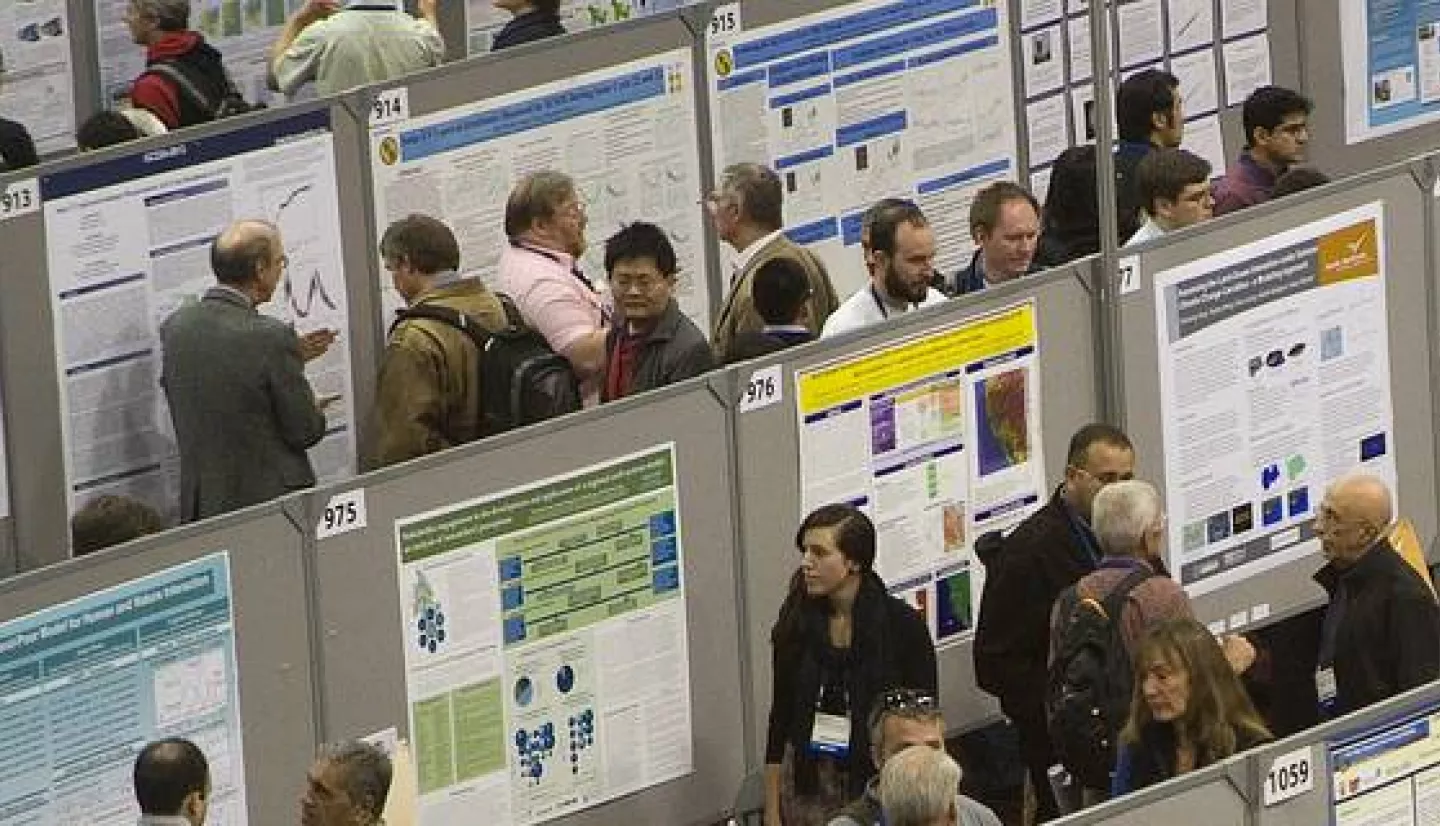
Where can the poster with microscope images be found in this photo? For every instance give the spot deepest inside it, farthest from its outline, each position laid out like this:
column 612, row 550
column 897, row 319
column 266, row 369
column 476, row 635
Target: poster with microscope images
column 1274, row 381
column 626, row 134
column 128, row 243
column 37, row 86
column 867, row 100
column 546, row 660
column 938, row 439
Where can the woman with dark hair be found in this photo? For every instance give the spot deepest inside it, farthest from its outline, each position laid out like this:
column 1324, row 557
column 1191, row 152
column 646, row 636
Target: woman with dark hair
column 840, row 642
column 533, row 20
column 1189, row 709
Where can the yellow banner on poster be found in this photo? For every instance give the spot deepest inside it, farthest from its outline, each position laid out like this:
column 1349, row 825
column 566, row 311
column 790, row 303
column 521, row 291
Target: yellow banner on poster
column 916, row 359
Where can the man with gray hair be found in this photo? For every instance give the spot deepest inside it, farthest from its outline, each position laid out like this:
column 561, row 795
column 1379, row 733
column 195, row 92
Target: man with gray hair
column 184, row 79
column 540, row 271
column 917, row 788
column 346, row 786
column 748, row 212
column 1129, row 525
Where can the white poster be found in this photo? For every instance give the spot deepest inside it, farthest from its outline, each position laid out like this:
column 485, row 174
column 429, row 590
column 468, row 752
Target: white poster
column 546, row 661
column 1391, row 56
column 1274, row 382
column 627, row 135
column 37, row 85
column 938, row 439
column 867, row 100
column 242, row 31
column 1387, row 775
column 129, row 243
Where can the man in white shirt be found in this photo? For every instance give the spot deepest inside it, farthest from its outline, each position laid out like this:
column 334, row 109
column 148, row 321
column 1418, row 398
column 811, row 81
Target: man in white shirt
column 340, row 46
column 1174, row 190
column 900, row 257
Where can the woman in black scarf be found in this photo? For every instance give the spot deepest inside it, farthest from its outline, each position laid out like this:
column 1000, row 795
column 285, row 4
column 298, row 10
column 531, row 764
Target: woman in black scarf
column 839, row 643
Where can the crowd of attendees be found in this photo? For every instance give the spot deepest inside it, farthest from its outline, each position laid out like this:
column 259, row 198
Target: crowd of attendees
column 855, row 735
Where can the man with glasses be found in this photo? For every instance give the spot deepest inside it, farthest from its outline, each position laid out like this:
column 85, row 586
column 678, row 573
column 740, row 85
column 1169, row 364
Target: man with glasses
column 1381, row 632
column 1277, row 128
column 540, row 270
column 747, row 211
column 654, row 344
column 243, row 411
column 900, row 719
column 1025, row 572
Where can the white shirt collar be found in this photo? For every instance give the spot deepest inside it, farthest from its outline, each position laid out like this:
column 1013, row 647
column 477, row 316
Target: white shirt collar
column 743, row 257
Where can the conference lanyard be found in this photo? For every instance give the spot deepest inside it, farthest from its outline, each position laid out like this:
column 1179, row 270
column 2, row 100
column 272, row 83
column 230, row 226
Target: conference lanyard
column 880, row 305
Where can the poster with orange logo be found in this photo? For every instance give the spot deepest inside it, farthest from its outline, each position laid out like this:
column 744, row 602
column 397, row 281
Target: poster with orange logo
column 937, row 438
column 1274, row 382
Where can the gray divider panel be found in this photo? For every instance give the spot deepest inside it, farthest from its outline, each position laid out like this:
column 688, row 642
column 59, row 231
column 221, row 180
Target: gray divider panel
column 363, row 671
column 768, row 472
column 1287, row 588
column 1314, row 806
column 272, row 648
column 1208, row 797
column 28, row 360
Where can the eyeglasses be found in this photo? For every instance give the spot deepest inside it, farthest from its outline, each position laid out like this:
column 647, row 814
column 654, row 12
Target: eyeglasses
column 622, row 284
column 907, row 699
column 1105, row 478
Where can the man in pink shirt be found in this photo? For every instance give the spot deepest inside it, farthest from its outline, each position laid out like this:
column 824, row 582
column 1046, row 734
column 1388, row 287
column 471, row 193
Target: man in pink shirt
column 539, row 270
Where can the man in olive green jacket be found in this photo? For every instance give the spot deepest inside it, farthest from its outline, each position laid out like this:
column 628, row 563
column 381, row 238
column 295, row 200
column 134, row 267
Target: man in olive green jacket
column 428, row 395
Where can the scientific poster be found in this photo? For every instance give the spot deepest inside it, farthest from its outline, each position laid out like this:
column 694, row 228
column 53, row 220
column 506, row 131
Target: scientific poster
column 938, row 439
column 87, row 683
column 243, row 31
column 1274, row 382
column 1388, row 775
column 546, row 660
column 875, row 99
column 37, row 85
column 626, row 134
column 1391, row 54
column 130, row 243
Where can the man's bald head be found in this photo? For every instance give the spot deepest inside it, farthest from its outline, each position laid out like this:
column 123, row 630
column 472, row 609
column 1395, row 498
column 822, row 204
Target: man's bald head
column 244, row 255
column 1357, row 511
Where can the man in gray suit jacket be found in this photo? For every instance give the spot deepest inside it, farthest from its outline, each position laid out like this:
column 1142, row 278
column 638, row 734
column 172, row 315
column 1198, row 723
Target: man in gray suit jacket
column 243, row 410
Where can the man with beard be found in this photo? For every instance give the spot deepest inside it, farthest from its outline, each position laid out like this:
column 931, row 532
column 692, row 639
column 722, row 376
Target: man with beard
column 1005, row 225
column 900, row 256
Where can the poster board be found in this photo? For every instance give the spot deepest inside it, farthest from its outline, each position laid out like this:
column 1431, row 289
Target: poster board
column 866, row 100
column 129, row 243
column 37, row 84
column 1219, row 53
column 1391, row 55
column 938, row 439
column 625, row 133
column 87, row 682
column 546, row 657
column 483, row 20
column 1388, row 773
column 1274, row 368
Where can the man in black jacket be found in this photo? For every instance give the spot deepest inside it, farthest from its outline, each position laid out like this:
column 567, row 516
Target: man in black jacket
column 1025, row 572
column 1381, row 634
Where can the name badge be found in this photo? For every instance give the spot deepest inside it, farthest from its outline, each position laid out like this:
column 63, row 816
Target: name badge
column 1325, row 689
column 830, row 735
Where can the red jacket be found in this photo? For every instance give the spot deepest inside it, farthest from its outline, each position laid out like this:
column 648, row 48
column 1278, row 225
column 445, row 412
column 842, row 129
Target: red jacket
column 158, row 94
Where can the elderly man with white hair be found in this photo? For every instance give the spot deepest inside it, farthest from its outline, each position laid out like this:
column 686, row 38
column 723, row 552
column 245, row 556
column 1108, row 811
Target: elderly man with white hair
column 917, row 788
column 1381, row 634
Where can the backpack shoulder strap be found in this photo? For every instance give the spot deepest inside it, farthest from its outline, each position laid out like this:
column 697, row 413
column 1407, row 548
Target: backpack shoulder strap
column 1114, row 603
column 445, row 315
column 513, row 317
column 171, row 71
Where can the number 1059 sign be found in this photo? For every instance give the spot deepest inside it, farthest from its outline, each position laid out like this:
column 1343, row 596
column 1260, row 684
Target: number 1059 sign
column 1291, row 775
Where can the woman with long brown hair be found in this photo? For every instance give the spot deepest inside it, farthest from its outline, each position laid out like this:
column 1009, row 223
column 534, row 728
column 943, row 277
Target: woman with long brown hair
column 1188, row 710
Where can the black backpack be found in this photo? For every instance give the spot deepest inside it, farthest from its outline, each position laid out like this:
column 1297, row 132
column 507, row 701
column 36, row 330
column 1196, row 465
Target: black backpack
column 230, row 103
column 1087, row 695
column 522, row 380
